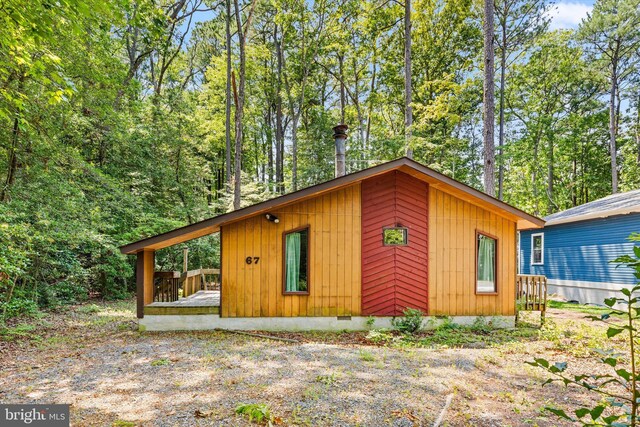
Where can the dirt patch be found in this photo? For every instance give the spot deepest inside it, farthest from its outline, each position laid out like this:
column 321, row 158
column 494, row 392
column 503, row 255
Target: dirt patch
column 114, row 375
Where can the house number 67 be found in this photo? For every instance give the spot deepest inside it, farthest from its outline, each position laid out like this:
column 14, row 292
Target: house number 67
column 252, row 260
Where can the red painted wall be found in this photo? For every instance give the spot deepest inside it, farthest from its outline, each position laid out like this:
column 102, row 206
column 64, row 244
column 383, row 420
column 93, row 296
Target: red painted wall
column 394, row 277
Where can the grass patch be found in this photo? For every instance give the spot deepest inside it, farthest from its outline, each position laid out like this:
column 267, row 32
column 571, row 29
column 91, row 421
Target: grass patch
column 20, row 331
column 89, row 309
column 581, row 308
column 160, row 362
column 122, row 423
column 366, row 356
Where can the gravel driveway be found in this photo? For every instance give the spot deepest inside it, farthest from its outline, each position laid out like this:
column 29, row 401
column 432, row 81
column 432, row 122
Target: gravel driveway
column 113, row 375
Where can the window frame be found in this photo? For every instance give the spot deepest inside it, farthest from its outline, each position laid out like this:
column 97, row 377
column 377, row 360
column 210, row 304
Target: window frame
column 533, row 236
column 406, row 233
column 495, row 263
column 306, row 228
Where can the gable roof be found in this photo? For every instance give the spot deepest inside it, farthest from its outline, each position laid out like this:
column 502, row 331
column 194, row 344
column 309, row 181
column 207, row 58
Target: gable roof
column 404, row 164
column 615, row 204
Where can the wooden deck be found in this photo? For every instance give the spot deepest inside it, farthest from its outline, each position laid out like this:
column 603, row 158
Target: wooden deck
column 202, row 302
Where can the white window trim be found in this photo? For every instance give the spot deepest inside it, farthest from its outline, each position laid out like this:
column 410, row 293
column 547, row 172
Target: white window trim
column 533, row 236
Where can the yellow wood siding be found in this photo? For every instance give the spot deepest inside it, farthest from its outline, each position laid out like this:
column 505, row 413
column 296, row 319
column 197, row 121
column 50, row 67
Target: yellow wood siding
column 452, row 258
column 252, row 290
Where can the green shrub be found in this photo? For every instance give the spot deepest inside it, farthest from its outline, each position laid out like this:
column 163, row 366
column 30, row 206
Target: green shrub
column 481, row 326
column 410, row 323
column 19, row 307
column 257, row 412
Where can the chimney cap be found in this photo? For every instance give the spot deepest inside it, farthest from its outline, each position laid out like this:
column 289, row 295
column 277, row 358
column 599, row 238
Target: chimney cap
column 340, row 130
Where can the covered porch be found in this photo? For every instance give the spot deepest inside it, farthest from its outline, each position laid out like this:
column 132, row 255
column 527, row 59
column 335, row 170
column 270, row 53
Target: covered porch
column 189, row 292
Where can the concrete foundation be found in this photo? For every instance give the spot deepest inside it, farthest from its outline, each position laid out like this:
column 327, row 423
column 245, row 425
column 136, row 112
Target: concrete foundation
column 203, row 322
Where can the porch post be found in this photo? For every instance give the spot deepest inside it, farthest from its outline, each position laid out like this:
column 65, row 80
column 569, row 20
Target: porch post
column 145, row 266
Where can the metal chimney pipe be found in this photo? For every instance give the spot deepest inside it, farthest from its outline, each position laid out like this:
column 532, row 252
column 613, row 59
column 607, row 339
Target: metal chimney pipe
column 340, row 135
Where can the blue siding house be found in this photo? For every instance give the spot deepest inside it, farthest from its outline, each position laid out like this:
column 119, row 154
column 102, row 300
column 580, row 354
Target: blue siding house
column 575, row 248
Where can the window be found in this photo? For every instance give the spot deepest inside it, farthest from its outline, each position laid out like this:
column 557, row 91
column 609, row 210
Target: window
column 537, row 249
column 296, row 261
column 487, row 249
column 395, row 236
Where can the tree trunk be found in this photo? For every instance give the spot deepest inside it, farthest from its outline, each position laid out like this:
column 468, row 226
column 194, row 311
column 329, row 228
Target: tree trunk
column 638, row 130
column 343, row 97
column 239, row 111
column 612, row 128
column 550, row 177
column 503, row 67
column 13, row 159
column 279, row 128
column 408, row 114
column 228, row 97
column 489, row 101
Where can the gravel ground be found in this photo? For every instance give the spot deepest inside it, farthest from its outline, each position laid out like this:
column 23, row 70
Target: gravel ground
column 113, row 375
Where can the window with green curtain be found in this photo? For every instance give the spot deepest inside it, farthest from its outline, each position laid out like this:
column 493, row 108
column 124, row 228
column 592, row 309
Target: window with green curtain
column 486, row 264
column 296, row 257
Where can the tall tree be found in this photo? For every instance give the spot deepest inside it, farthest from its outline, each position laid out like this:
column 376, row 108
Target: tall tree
column 613, row 32
column 519, row 23
column 227, row 118
column 242, row 31
column 488, row 99
column 408, row 113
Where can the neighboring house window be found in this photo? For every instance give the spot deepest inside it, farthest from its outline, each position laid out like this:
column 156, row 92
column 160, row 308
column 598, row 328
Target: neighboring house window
column 486, row 263
column 537, row 249
column 395, row 236
column 296, row 261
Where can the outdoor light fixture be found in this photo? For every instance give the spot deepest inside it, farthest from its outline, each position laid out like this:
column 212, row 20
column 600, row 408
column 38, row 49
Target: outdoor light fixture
column 272, row 218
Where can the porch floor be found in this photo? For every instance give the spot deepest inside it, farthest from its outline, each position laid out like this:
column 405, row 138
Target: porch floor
column 202, row 302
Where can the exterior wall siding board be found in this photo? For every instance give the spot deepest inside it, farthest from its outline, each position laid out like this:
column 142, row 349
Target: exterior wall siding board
column 394, row 277
column 452, row 258
column 255, row 290
column 581, row 251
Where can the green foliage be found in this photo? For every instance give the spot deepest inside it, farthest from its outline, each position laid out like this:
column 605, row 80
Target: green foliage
column 89, row 309
column 617, row 380
column 256, row 412
column 380, row 336
column 371, row 321
column 410, row 323
column 160, row 362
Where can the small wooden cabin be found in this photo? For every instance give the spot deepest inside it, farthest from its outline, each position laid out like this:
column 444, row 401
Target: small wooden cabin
column 371, row 243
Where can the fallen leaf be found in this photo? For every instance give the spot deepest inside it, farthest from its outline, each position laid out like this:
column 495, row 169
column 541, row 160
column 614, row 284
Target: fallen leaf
column 202, row 414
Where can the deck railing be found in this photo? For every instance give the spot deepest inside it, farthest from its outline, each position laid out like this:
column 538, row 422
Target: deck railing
column 531, row 293
column 166, row 285
column 202, row 279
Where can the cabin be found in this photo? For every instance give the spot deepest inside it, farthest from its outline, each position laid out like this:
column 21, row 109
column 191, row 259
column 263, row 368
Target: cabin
column 575, row 248
column 372, row 243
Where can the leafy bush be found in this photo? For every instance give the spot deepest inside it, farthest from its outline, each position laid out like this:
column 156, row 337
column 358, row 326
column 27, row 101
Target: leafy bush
column 19, row 307
column 481, row 326
column 257, row 412
column 410, row 323
column 619, row 388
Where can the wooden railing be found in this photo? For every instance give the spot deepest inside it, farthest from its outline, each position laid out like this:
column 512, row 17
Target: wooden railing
column 198, row 280
column 531, row 293
column 166, row 285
